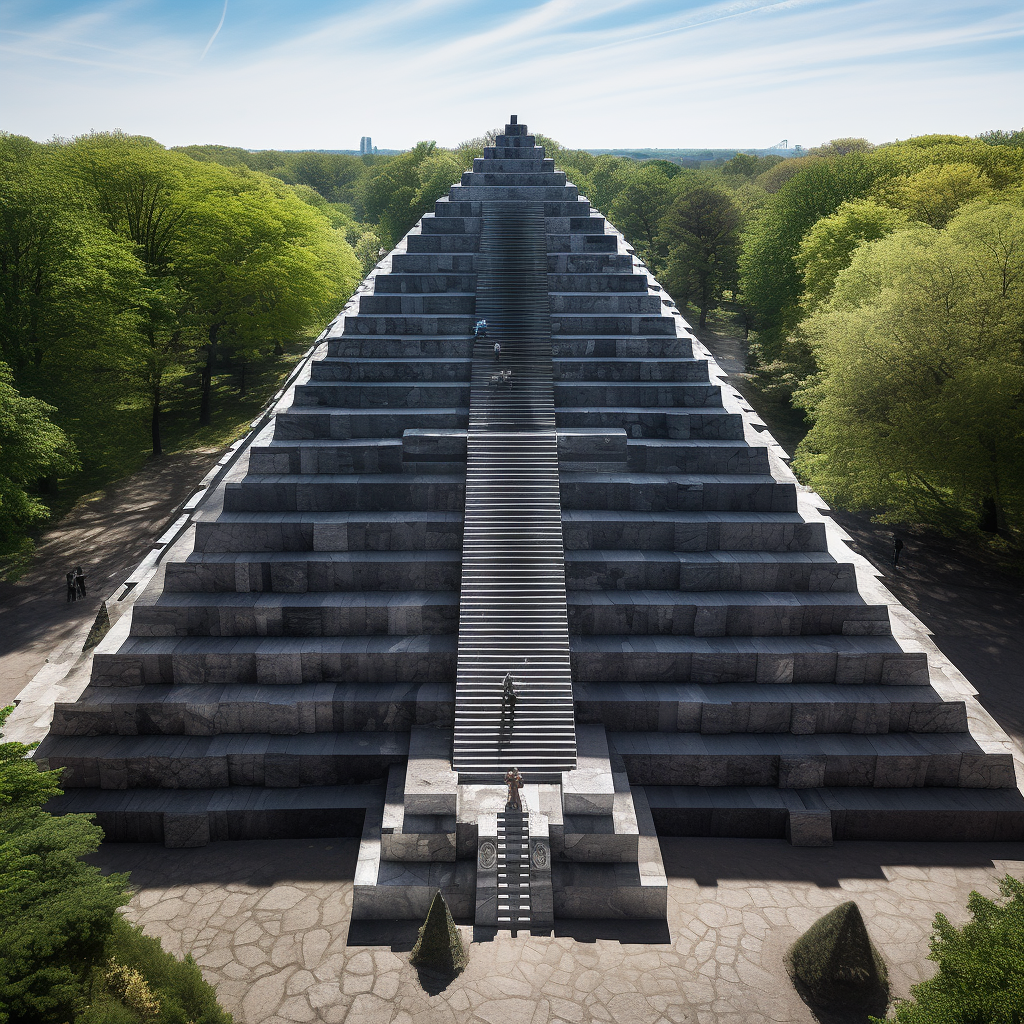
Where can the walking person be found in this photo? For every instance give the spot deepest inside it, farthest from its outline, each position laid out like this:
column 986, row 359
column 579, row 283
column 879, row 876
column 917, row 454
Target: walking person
column 897, row 550
column 80, row 581
column 497, row 351
column 508, row 706
column 72, row 587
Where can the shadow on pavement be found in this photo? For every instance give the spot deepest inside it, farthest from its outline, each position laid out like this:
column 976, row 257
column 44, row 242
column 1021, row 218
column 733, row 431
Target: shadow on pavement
column 707, row 861
column 256, row 862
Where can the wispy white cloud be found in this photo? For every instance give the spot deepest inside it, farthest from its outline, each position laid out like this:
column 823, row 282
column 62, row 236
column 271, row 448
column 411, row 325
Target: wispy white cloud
column 590, row 72
column 216, row 31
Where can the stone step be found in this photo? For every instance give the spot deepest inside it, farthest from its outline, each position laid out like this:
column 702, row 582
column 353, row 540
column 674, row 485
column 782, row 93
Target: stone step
column 584, row 529
column 882, row 760
column 454, row 244
column 619, row 279
column 269, row 661
column 448, row 304
column 849, row 660
column 682, row 492
column 681, row 424
column 724, row 613
column 303, row 422
column 628, row 347
column 433, row 263
column 283, row 709
column 324, row 455
column 698, row 456
column 325, row 492
column 300, row 572
column 524, row 177
column 370, row 346
column 514, row 193
column 621, row 370
column 358, row 613
column 257, row 532
column 438, row 283
column 628, row 571
column 211, row 762
column 606, row 303
column 421, row 369
column 570, row 324
column 358, row 324
column 851, row 813
column 412, row 394
column 591, row 263
column 527, row 164
column 801, row 708
column 195, row 817
column 655, row 394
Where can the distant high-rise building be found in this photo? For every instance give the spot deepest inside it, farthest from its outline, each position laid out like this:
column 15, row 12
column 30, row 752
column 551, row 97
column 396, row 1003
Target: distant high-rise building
column 365, row 145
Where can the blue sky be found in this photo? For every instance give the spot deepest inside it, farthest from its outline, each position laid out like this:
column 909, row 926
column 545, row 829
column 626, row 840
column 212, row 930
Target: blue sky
column 595, row 73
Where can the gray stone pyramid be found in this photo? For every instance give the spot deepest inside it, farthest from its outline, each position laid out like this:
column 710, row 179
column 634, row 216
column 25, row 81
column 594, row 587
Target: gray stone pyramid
column 585, row 559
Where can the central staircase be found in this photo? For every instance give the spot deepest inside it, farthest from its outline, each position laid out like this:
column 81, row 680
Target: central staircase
column 513, row 608
column 514, row 870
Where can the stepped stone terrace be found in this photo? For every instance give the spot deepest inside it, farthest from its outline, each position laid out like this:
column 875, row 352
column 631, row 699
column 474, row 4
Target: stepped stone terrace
column 586, row 560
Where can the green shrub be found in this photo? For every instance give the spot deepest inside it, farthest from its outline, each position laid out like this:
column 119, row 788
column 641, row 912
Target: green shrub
column 141, row 983
column 981, row 966
column 836, row 963
column 439, row 945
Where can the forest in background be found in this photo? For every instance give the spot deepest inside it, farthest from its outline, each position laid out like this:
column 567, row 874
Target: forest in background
column 153, row 298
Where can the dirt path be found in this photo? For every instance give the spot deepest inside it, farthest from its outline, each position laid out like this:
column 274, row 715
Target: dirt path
column 107, row 534
column 974, row 611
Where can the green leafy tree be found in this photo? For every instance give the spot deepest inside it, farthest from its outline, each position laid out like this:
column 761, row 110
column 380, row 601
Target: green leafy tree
column 770, row 278
column 59, row 266
column 139, row 190
column 936, row 192
column 747, row 165
column 701, row 230
column 56, row 911
column 981, row 966
column 639, row 206
column 917, row 409
column 31, row 447
column 829, row 246
column 840, row 147
column 256, row 264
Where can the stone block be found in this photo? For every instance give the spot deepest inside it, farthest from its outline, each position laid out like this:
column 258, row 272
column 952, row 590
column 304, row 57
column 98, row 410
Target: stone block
column 589, row 789
column 431, row 787
column 809, row 828
column 186, row 831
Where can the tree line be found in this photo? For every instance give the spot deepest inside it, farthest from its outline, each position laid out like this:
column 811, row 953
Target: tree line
column 883, row 289
column 131, row 276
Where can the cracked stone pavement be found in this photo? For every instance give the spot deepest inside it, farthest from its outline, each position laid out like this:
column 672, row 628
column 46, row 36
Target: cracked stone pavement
column 268, row 923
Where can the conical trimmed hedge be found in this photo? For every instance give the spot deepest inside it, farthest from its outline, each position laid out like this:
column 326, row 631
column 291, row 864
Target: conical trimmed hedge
column 439, row 945
column 836, row 961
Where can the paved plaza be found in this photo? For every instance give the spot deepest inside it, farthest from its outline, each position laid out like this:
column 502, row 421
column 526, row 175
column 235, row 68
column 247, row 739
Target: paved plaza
column 269, row 922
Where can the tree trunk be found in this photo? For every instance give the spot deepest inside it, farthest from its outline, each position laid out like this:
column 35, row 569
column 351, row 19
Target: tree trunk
column 154, row 425
column 207, row 384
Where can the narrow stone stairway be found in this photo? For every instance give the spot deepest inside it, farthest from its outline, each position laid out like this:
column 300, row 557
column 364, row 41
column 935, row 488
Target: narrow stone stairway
column 512, row 607
column 514, row 870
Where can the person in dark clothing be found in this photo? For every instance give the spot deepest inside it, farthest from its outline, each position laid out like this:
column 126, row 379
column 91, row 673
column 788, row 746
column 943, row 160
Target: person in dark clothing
column 897, row 550
column 72, row 587
column 80, row 581
column 497, row 350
